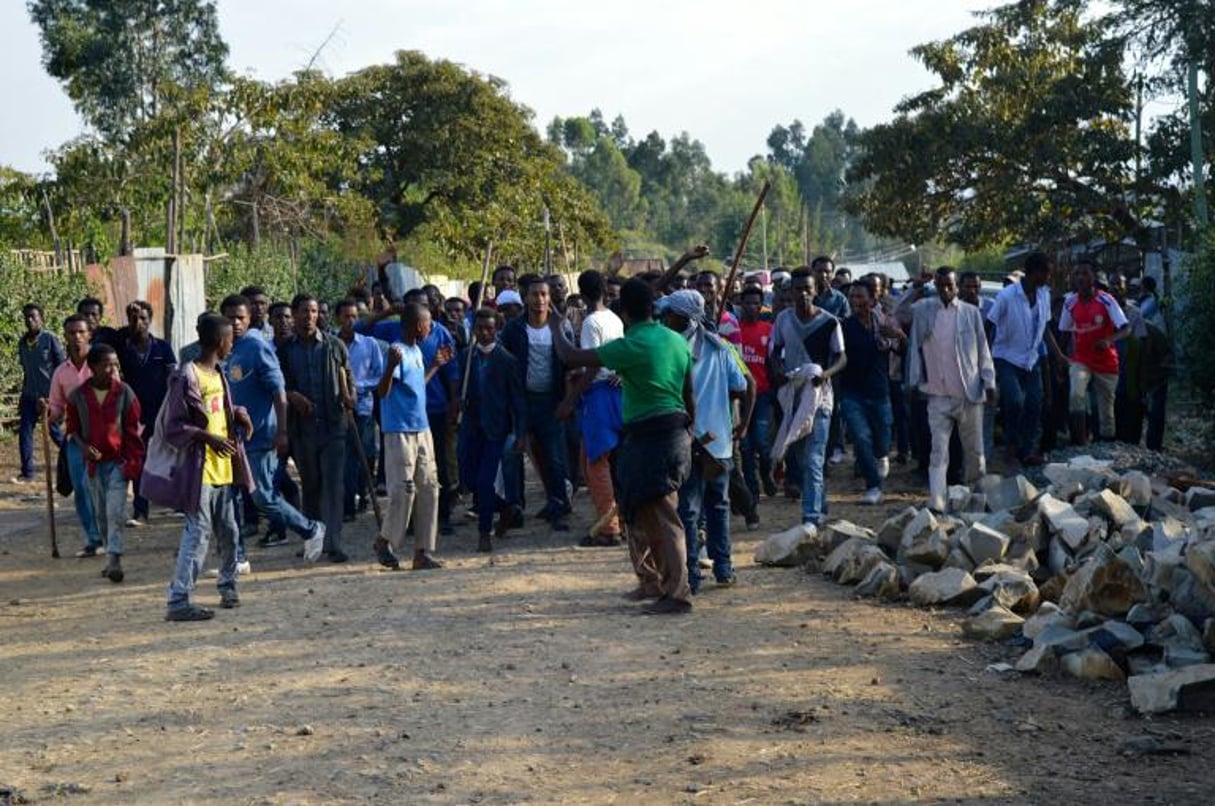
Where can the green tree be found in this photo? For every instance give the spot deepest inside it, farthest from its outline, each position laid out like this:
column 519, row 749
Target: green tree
column 1027, row 137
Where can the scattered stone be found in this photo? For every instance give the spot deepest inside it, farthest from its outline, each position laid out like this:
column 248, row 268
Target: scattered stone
column 1176, row 658
column 1061, row 639
column 882, row 582
column 1197, row 498
column 922, row 523
column 1177, row 632
column 1190, row 597
column 1048, row 615
column 1136, row 488
column 930, row 548
column 1007, row 493
column 1064, row 521
column 1114, row 508
column 304, row 730
column 950, row 586
column 1148, row 614
column 1115, row 636
column 957, row 497
column 959, row 559
column 890, row 534
column 1059, row 558
column 1104, row 584
column 978, row 503
column 850, row 563
column 1039, row 660
column 790, row 548
column 1200, row 559
column 839, row 532
column 995, row 624
column 1092, row 664
column 984, row 544
column 1014, row 590
column 1191, row 689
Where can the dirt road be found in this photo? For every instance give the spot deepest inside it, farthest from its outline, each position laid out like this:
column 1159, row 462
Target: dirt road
column 526, row 678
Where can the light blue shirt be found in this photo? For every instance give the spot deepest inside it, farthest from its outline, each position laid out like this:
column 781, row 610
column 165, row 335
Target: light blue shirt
column 403, row 411
column 1019, row 328
column 715, row 374
column 367, row 366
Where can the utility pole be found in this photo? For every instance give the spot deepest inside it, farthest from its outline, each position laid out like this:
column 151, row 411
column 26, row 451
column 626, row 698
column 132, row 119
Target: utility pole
column 1200, row 190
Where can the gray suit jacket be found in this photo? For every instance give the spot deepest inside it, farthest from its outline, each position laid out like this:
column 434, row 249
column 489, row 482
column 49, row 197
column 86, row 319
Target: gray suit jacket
column 970, row 348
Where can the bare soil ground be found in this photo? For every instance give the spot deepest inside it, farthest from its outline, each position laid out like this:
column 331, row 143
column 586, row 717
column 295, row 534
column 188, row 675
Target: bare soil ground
column 524, row 677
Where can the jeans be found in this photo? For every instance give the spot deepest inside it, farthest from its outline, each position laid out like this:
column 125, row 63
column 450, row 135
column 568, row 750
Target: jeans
column 549, row 434
column 1021, row 406
column 479, row 463
column 27, row 407
column 869, row 421
column 82, row 494
column 756, row 461
column 512, row 473
column 356, row 481
column 447, row 485
column 321, row 462
column 216, row 515
column 265, row 466
column 698, row 496
column 814, row 483
column 108, row 489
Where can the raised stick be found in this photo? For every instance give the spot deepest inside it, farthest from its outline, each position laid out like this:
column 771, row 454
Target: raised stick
column 742, row 244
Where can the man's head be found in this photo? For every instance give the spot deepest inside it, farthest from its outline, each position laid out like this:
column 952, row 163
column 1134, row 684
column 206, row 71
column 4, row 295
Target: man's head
column 525, row 281
column 259, row 305
column 103, row 363
column 510, row 304
column 282, row 320
column 538, row 300
column 752, row 303
column 235, row 309
column 682, row 310
column 861, row 295
column 1037, row 269
column 475, row 293
column 215, row 334
column 707, row 286
column 1083, row 277
column 969, row 287
column 946, row 284
column 485, row 327
column 822, row 268
column 92, row 310
column 434, row 299
column 306, row 313
column 454, row 308
column 347, row 316
column 842, row 279
column 558, row 290
column 415, row 322
column 139, row 318
column 31, row 314
column 612, row 288
column 322, row 315
column 802, row 289
column 76, row 335
column 679, row 282
column 592, row 287
column 636, row 301
column 504, row 278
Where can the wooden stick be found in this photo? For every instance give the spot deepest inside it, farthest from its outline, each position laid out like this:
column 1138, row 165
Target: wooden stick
column 49, row 472
column 742, row 244
column 353, row 423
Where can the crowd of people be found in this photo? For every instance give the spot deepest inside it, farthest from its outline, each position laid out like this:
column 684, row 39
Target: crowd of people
column 674, row 400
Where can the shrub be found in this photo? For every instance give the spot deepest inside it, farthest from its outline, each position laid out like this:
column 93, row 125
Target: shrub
column 56, row 292
column 1196, row 328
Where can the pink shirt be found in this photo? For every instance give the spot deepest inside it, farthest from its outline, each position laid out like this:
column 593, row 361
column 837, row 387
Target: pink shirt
column 65, row 381
column 940, row 351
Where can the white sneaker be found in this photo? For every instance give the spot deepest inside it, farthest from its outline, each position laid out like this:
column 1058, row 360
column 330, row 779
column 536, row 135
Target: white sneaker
column 837, row 458
column 213, row 573
column 244, row 568
column 314, row 545
column 703, row 558
column 872, row 496
column 883, row 467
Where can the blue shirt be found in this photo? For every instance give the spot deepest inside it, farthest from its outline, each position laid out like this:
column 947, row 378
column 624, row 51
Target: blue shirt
column 389, row 330
column 38, row 363
column 834, row 302
column 404, row 409
column 367, row 366
column 255, row 379
column 147, row 374
column 715, row 374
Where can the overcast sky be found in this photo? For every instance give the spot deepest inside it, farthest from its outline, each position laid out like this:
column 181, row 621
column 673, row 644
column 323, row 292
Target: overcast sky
column 725, row 72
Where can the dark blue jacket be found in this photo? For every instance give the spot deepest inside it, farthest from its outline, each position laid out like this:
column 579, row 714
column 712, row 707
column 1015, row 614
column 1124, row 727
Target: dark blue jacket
column 495, row 401
column 514, row 339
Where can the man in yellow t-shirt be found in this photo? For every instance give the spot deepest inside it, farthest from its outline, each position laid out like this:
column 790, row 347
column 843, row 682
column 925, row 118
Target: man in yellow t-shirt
column 217, row 467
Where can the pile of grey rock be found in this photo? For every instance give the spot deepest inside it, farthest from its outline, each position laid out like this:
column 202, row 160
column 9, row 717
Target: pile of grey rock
column 1102, row 574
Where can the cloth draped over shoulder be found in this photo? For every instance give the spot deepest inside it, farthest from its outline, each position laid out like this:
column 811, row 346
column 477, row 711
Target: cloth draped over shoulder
column 799, row 400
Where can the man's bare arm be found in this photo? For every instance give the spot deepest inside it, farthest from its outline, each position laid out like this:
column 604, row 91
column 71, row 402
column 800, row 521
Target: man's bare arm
column 693, row 254
column 570, row 355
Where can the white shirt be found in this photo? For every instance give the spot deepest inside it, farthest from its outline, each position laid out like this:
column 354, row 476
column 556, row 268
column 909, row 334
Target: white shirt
column 1019, row 328
column 598, row 329
column 539, row 359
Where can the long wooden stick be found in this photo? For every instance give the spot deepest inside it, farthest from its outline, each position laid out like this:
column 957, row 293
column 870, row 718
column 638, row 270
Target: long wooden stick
column 742, row 245
column 489, row 252
column 49, row 472
column 353, row 424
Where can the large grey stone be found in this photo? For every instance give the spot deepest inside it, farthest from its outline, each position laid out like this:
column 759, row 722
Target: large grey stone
column 959, row 559
column 924, row 523
column 1148, row 614
column 790, row 548
column 890, row 533
column 1022, row 556
column 1162, row 507
column 1092, row 664
column 1178, row 632
column 1137, row 488
column 1063, row 520
column 951, row 586
column 1048, row 615
column 1115, row 636
column 1114, row 508
column 1104, row 584
column 836, row 533
column 1190, row 597
column 957, row 497
column 928, row 548
column 1007, row 493
column 1179, row 658
column 1061, row 639
column 1197, row 498
column 1038, row 660
column 856, row 564
column 1059, row 557
column 1200, row 559
column 984, row 544
column 1013, row 590
column 882, row 582
column 1189, row 689
column 995, row 624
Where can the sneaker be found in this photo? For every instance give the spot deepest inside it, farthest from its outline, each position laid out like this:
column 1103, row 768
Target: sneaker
column 872, row 496
column 384, row 554
column 752, row 521
column 89, row 551
column 272, row 539
column 883, row 467
column 314, row 545
column 228, row 599
column 189, row 613
column 23, row 480
column 244, row 568
column 138, row 522
column 838, row 457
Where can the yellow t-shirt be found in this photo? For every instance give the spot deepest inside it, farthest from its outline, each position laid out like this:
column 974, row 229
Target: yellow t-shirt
column 217, row 470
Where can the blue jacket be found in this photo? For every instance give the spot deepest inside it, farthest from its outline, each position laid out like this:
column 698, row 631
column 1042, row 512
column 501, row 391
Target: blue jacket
column 514, row 339
column 495, row 401
column 255, row 377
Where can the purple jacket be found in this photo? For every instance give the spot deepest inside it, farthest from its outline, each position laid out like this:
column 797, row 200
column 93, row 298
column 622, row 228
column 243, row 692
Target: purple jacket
column 185, row 422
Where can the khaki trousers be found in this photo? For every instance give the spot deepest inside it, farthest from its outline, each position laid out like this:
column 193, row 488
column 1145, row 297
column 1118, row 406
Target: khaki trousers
column 944, row 413
column 412, row 477
column 1106, row 386
column 658, row 549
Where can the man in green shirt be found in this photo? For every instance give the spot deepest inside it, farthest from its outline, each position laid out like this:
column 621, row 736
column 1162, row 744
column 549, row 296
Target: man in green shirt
column 654, row 459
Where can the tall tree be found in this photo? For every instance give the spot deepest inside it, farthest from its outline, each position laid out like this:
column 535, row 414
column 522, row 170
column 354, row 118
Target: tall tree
column 1027, row 137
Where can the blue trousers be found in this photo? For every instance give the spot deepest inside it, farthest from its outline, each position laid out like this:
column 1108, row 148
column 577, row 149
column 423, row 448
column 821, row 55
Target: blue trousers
column 81, row 495
column 27, row 407
column 1020, row 405
column 756, row 460
column 869, row 422
column 356, row 481
column 216, row 516
column 479, row 463
column 549, row 433
column 814, row 482
column 701, row 498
